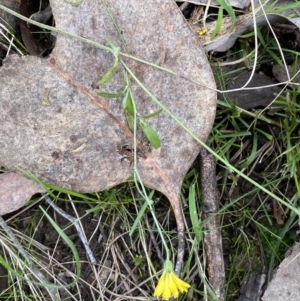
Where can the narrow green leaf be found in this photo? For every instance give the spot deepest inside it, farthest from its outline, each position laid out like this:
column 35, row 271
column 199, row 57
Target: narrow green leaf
column 268, row 136
column 218, row 24
column 130, row 121
column 25, row 279
column 152, row 114
column 238, row 134
column 124, row 102
column 131, row 177
column 224, row 104
column 269, row 8
column 110, row 95
column 236, row 113
column 68, row 241
column 224, row 4
column 48, row 188
column 246, row 35
column 285, row 8
column 252, row 156
column 48, row 285
column 109, row 74
column 128, row 102
column 150, row 134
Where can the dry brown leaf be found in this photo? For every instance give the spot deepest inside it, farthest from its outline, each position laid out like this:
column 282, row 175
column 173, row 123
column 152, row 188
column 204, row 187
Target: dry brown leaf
column 15, row 191
column 76, row 141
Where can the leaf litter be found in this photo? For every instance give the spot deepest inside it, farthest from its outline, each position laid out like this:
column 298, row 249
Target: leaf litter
column 249, row 105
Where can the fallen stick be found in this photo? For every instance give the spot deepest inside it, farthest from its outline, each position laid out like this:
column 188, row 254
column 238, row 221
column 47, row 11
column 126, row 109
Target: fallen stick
column 212, row 232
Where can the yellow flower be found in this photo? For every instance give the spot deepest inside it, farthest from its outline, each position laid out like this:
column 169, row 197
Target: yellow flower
column 169, row 284
column 202, row 32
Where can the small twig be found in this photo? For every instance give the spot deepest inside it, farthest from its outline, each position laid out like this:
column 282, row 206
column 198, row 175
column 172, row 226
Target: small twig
column 36, row 272
column 75, row 222
column 212, row 236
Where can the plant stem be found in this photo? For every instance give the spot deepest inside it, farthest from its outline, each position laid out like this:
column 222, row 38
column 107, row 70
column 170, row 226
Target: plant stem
column 138, row 181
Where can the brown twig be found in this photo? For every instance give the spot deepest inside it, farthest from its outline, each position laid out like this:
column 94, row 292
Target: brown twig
column 212, row 237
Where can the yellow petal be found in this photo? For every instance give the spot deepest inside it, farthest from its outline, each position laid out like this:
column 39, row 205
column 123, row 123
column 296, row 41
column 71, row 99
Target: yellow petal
column 166, row 295
column 169, row 284
column 167, row 292
column 160, row 286
column 180, row 284
column 173, row 286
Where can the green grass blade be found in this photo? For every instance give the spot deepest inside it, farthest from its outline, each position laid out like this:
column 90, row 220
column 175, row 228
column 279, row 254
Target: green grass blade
column 49, row 187
column 110, row 95
column 69, row 243
column 287, row 7
column 25, row 279
column 224, row 4
column 218, row 24
column 130, row 120
column 253, row 152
